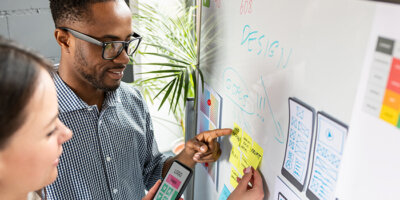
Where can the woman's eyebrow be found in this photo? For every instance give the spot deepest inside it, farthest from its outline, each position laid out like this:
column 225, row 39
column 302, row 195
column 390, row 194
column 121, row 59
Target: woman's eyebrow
column 54, row 118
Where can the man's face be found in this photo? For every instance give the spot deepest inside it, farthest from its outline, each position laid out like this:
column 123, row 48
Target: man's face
column 109, row 21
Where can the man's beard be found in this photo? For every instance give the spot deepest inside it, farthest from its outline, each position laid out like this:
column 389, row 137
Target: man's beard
column 95, row 82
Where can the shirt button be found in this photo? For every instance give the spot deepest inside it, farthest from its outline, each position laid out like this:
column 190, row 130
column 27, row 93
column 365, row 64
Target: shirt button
column 115, row 191
column 108, row 158
column 90, row 109
column 100, row 122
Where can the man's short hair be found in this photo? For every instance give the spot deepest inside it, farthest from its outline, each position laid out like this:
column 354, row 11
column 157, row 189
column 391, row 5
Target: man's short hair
column 69, row 11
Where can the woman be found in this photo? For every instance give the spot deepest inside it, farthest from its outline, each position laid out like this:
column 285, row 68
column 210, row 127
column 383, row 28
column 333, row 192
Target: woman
column 31, row 135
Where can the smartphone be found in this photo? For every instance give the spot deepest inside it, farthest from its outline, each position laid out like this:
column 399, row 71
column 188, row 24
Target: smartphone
column 299, row 142
column 331, row 136
column 174, row 183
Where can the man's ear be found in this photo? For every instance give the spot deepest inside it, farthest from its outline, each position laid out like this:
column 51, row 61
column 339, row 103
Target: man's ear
column 63, row 39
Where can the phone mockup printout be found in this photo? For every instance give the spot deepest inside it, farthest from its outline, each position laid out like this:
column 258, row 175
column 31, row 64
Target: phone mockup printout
column 174, row 183
column 331, row 135
column 298, row 145
column 281, row 197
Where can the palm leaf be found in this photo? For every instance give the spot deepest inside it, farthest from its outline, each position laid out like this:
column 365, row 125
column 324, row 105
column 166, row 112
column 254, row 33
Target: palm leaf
column 167, row 93
column 180, row 86
column 166, row 56
column 161, row 71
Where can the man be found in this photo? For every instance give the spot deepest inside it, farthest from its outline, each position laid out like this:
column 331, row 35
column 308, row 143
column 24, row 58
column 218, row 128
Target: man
column 113, row 154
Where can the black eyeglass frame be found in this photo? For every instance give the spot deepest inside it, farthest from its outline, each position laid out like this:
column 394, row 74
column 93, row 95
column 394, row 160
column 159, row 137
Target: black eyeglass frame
column 91, row 39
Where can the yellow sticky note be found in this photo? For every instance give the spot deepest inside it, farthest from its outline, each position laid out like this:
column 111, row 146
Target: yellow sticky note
column 234, row 175
column 243, row 164
column 235, row 157
column 236, row 135
column 255, row 155
column 245, row 144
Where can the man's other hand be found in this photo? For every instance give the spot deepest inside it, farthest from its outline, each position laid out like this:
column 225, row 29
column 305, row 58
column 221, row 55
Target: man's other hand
column 203, row 147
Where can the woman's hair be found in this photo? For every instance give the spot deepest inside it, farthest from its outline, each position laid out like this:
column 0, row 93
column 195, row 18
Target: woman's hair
column 19, row 70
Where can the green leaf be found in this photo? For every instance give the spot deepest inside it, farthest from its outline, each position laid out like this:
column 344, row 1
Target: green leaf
column 158, row 77
column 179, row 90
column 174, row 93
column 194, row 82
column 163, row 64
column 163, row 89
column 161, row 71
column 186, row 86
column 167, row 93
column 166, row 49
column 166, row 56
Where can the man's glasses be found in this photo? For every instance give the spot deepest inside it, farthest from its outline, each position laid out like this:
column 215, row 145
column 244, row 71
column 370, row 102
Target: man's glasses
column 111, row 49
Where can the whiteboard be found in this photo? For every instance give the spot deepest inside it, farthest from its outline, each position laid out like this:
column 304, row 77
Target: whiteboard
column 258, row 55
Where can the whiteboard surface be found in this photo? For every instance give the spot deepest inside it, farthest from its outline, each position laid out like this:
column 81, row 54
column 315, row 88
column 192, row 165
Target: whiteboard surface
column 256, row 59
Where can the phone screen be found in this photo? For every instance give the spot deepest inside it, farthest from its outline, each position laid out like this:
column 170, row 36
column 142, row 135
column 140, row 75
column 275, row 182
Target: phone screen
column 298, row 145
column 331, row 136
column 174, row 182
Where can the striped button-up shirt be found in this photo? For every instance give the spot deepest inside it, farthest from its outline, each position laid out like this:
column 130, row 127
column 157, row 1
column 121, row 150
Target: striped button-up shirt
column 112, row 154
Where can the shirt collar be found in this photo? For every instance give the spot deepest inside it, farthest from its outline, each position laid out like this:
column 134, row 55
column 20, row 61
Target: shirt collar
column 69, row 101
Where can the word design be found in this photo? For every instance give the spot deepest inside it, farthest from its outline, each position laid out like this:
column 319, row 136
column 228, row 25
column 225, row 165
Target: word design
column 257, row 42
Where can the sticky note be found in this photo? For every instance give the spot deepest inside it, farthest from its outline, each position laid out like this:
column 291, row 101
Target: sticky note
column 234, row 175
column 245, row 143
column 235, row 157
column 224, row 193
column 255, row 155
column 243, row 164
column 236, row 135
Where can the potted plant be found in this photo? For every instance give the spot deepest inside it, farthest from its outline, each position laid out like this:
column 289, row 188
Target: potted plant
column 168, row 56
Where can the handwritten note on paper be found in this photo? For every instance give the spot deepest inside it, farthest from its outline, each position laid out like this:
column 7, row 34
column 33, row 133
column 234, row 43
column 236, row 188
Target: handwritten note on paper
column 233, row 178
column 245, row 144
column 236, row 135
column 243, row 164
column 245, row 151
column 255, row 155
column 235, row 157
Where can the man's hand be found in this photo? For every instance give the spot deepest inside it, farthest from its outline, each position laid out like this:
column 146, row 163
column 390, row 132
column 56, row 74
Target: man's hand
column 202, row 148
